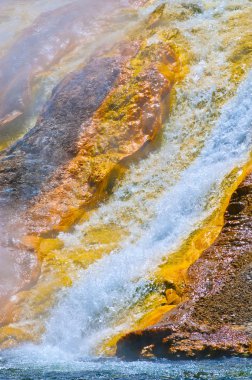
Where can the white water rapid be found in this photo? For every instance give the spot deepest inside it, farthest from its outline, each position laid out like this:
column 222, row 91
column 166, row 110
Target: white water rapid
column 87, row 312
column 164, row 197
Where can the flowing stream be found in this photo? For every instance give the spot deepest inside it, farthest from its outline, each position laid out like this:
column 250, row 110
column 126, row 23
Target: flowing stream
column 154, row 208
column 116, row 281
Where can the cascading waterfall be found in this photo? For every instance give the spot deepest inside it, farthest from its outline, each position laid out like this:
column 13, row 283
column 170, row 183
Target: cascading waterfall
column 163, row 198
column 86, row 313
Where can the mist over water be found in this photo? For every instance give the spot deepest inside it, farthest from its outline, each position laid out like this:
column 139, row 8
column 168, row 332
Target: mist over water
column 41, row 42
column 46, row 41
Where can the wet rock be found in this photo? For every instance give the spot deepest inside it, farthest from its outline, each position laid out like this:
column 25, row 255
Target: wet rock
column 130, row 116
column 53, row 141
column 235, row 207
column 30, row 163
column 96, row 119
column 216, row 317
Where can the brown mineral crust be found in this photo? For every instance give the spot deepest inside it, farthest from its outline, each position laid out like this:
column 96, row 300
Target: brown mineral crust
column 96, row 117
column 129, row 117
column 216, row 318
column 26, row 165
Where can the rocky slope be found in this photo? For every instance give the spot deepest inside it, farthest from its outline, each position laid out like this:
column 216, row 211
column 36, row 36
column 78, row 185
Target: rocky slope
column 96, row 118
column 216, row 317
column 29, row 163
column 52, row 142
column 130, row 116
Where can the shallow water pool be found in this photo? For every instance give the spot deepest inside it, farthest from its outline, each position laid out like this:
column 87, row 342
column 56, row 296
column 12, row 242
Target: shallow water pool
column 108, row 369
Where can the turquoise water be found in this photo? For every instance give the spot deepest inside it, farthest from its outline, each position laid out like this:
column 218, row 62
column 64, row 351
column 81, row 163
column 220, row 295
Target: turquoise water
column 112, row 369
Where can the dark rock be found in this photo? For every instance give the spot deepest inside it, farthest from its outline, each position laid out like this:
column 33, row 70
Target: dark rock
column 26, row 165
column 216, row 318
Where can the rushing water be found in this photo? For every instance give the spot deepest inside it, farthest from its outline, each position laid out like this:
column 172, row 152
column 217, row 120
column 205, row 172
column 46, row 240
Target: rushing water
column 120, row 278
column 160, row 201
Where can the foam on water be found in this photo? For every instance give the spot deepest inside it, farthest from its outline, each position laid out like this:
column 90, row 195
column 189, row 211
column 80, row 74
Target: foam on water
column 87, row 312
column 192, row 119
column 225, row 369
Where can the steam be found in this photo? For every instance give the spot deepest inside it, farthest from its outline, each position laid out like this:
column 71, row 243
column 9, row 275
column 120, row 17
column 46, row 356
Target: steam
column 37, row 39
column 50, row 36
column 17, row 264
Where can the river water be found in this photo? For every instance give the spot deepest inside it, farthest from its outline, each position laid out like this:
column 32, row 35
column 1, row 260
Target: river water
column 225, row 369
